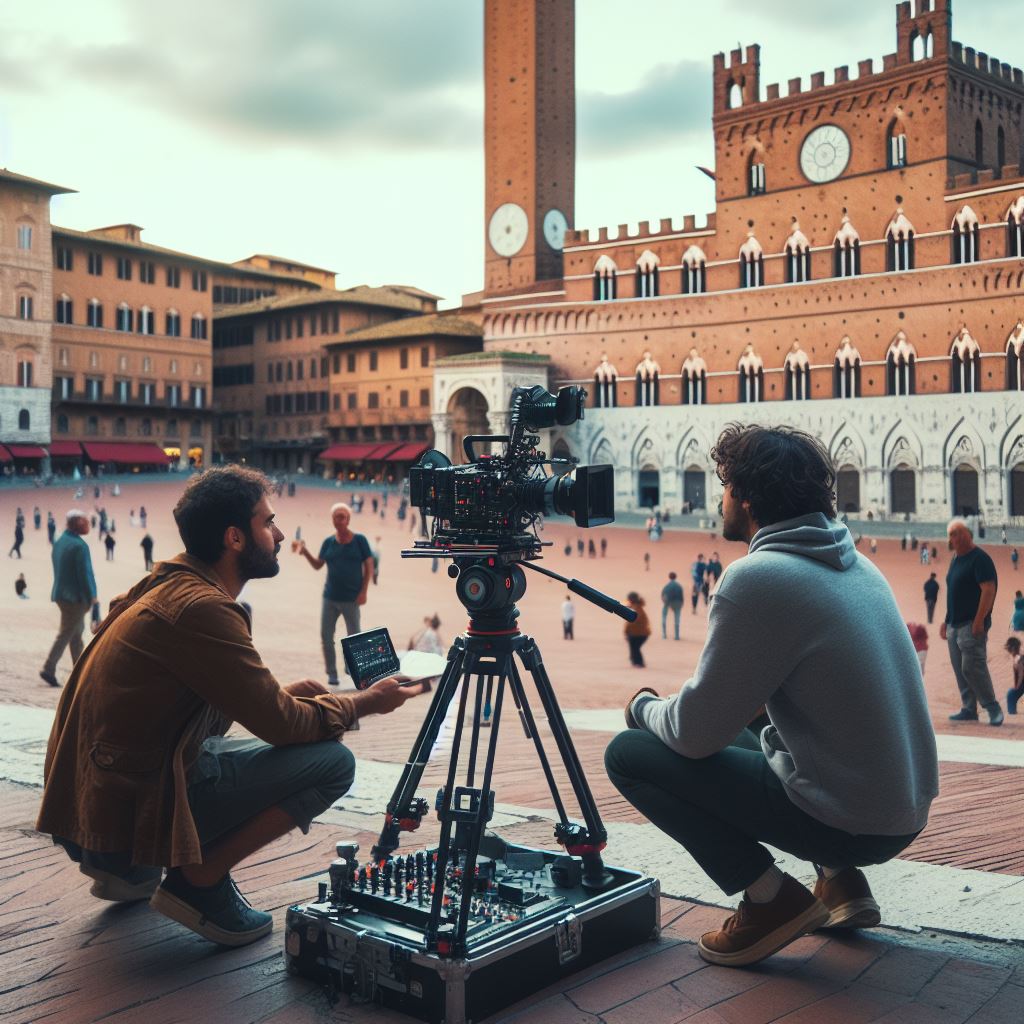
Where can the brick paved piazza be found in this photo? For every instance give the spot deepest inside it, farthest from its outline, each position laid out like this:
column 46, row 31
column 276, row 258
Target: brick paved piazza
column 952, row 945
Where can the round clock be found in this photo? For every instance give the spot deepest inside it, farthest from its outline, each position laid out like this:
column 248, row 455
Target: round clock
column 555, row 226
column 825, row 153
column 508, row 229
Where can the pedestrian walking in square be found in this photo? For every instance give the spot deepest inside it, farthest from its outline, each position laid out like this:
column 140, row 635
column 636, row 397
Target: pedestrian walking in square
column 638, row 630
column 671, row 601
column 971, row 584
column 931, row 595
column 74, row 591
column 568, row 617
column 349, row 562
column 147, row 551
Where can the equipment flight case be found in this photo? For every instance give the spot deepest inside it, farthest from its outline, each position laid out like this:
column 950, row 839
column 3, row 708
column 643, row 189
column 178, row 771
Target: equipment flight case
column 534, row 924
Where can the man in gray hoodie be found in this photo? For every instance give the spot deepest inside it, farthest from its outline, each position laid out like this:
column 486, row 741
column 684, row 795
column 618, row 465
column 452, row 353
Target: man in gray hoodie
column 846, row 771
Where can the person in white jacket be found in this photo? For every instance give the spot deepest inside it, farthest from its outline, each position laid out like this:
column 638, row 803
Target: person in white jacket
column 844, row 775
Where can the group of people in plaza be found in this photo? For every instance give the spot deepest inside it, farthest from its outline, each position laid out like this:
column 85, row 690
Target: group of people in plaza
column 775, row 740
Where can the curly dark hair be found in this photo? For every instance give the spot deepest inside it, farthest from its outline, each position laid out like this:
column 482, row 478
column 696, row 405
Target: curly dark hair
column 782, row 472
column 220, row 497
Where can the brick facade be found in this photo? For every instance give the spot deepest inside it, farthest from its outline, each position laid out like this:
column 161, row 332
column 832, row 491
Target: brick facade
column 807, row 283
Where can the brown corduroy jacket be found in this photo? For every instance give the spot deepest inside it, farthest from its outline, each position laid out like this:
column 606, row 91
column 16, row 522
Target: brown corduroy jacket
column 172, row 664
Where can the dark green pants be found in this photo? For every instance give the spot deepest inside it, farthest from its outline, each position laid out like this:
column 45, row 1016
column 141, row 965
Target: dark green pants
column 723, row 807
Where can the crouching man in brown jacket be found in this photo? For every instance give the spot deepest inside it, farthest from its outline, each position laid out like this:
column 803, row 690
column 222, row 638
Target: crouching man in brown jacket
column 139, row 776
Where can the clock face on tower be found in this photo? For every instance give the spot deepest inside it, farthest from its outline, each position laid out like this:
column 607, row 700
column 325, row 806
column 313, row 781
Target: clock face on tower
column 555, row 226
column 508, row 229
column 825, row 153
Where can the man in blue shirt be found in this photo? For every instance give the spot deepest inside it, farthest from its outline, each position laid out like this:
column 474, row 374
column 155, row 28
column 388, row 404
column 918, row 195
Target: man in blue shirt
column 698, row 571
column 74, row 591
column 971, row 584
column 349, row 562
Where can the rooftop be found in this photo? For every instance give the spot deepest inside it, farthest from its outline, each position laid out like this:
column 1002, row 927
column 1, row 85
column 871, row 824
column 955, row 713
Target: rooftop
column 36, row 183
column 362, row 295
column 432, row 324
column 281, row 259
column 107, row 236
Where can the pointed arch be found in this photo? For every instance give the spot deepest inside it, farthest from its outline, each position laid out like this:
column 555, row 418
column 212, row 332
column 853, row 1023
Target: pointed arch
column 797, row 369
column 751, row 376
column 846, row 370
column 900, row 363
column 647, row 275
column 846, row 249
column 966, row 236
column 648, row 373
column 694, row 378
column 605, row 384
column 694, row 271
column 605, row 272
column 798, row 255
column 1015, row 358
column 964, row 363
column 751, row 263
column 1015, row 227
column 899, row 238
column 896, row 138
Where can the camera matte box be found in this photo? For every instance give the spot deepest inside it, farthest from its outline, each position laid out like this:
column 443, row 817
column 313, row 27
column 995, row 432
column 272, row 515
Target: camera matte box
column 370, row 957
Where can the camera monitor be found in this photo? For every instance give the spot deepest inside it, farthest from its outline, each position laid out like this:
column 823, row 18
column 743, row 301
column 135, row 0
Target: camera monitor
column 369, row 657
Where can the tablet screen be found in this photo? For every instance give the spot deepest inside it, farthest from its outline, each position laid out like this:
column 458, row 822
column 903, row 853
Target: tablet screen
column 369, row 656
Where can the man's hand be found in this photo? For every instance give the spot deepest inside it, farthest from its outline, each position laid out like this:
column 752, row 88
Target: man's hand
column 942, row 631
column 384, row 697
column 305, row 688
column 631, row 722
column 978, row 628
column 361, row 599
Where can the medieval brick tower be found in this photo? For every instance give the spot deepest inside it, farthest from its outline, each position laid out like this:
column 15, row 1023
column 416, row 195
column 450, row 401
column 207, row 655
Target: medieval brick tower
column 530, row 141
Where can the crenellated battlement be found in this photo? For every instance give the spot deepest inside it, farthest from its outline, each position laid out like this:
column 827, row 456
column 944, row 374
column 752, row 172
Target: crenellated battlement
column 624, row 232
column 978, row 61
column 921, row 36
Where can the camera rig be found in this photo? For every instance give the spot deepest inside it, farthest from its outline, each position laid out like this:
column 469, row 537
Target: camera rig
column 457, row 931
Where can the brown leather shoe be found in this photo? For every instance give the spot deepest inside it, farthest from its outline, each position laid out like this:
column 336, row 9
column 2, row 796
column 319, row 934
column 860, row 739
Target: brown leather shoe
column 757, row 930
column 849, row 900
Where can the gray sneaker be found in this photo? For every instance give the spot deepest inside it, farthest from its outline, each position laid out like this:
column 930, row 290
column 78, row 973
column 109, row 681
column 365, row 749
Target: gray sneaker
column 995, row 713
column 219, row 913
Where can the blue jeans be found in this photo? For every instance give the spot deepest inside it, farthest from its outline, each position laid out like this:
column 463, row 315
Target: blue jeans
column 677, row 607
column 969, row 656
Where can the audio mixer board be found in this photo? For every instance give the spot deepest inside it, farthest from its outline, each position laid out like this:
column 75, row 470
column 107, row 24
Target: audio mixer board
column 531, row 922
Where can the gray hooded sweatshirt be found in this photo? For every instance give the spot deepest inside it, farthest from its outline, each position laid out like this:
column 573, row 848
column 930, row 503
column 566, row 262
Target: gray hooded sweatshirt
column 809, row 627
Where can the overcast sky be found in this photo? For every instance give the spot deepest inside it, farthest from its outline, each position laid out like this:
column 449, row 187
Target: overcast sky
column 349, row 134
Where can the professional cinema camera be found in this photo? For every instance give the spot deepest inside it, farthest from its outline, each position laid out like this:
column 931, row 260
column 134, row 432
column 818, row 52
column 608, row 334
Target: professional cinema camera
column 465, row 927
column 496, row 500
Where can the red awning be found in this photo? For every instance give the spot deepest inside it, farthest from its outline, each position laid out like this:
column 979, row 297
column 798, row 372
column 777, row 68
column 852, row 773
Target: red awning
column 65, row 449
column 27, row 451
column 5, row 455
column 382, row 451
column 347, row 452
column 408, row 452
column 126, row 453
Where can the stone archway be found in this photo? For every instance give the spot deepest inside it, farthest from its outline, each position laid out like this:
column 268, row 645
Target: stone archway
column 848, row 489
column 1017, row 490
column 965, row 490
column 467, row 414
column 903, row 490
column 648, row 486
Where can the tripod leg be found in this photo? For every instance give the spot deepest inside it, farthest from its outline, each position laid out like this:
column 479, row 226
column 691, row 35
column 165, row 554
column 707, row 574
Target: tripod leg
column 594, row 874
column 530, row 726
column 445, row 813
column 482, row 817
column 405, row 791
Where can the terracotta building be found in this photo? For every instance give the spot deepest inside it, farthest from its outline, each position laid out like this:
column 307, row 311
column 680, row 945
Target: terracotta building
column 863, row 270
column 298, row 374
column 25, row 319
column 132, row 347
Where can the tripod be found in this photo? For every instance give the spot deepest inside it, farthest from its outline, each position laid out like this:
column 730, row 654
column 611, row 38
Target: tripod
column 485, row 658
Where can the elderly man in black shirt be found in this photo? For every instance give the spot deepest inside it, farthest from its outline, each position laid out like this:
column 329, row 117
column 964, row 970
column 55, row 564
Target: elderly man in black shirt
column 971, row 584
